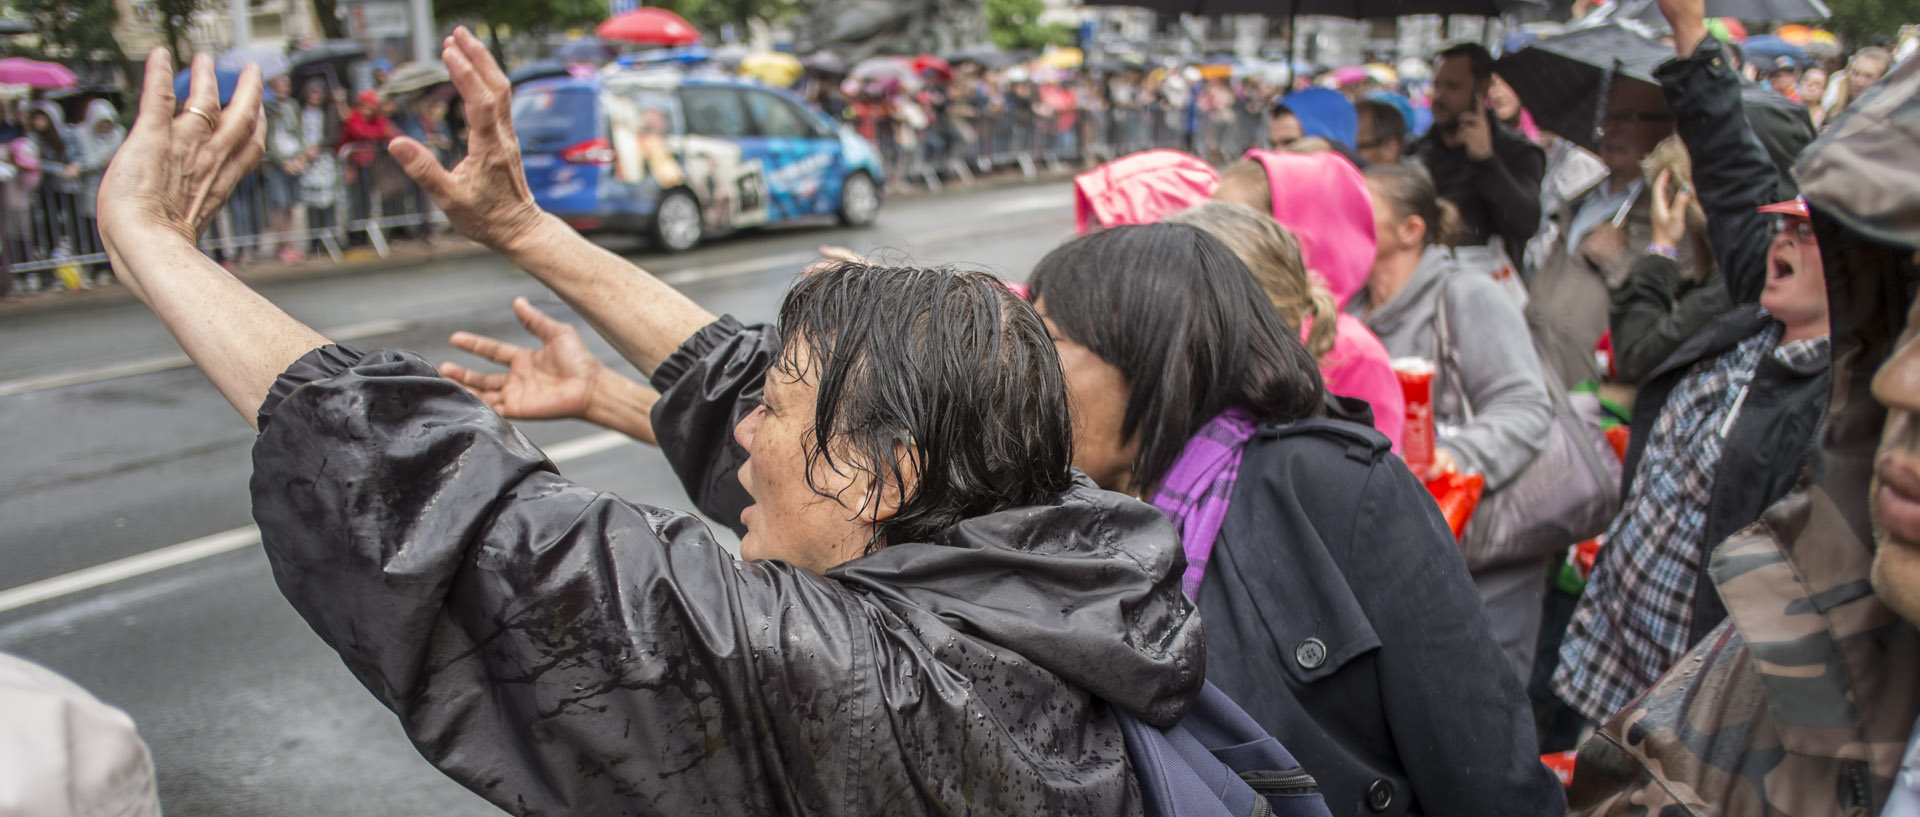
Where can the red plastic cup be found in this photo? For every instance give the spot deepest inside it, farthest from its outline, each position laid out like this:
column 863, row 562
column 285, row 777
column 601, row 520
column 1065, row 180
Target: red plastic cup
column 1416, row 385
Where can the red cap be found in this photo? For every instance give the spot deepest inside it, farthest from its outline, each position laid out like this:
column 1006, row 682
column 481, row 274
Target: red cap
column 1790, row 207
column 370, row 99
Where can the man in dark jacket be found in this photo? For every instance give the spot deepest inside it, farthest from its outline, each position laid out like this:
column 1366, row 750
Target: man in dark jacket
column 1724, row 427
column 1489, row 171
column 937, row 616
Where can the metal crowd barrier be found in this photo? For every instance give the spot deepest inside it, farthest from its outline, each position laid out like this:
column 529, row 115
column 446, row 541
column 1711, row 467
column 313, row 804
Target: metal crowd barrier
column 365, row 198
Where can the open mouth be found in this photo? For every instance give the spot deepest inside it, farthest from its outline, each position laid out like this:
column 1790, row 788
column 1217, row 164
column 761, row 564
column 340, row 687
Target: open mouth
column 1781, row 270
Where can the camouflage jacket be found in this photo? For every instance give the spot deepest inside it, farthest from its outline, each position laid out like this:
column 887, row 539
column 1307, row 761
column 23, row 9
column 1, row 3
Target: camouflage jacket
column 1799, row 704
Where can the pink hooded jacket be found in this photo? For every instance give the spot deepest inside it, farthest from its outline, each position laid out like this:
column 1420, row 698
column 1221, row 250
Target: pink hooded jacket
column 1322, row 199
column 1141, row 188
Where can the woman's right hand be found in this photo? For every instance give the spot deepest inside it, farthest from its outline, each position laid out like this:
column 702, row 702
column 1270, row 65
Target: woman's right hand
column 1669, row 212
column 555, row 381
column 485, row 196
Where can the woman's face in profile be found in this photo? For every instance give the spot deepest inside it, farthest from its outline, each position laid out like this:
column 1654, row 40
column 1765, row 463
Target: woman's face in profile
column 1097, row 393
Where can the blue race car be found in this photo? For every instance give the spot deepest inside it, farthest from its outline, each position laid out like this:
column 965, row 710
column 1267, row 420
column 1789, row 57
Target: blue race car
column 680, row 155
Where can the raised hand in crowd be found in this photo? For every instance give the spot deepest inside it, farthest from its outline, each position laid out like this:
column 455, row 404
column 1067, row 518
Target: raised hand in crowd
column 162, row 189
column 1476, row 134
column 1688, row 19
column 486, row 198
column 1669, row 210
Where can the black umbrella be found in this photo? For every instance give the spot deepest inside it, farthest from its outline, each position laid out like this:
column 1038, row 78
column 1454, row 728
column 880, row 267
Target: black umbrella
column 539, row 69
column 1352, row 9
column 825, row 62
column 1564, row 80
column 10, row 27
column 324, row 56
column 1759, row 11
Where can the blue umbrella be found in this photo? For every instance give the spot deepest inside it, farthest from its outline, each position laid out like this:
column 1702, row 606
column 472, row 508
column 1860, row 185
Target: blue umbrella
column 541, row 69
column 1772, row 46
column 224, row 77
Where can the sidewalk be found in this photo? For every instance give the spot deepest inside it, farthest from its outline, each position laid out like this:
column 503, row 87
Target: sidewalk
column 447, row 248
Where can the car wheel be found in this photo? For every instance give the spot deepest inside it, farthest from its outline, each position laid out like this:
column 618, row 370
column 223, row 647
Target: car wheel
column 676, row 223
column 859, row 200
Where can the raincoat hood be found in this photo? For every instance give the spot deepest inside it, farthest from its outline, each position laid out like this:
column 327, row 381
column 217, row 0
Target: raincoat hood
column 1325, row 113
column 1087, row 588
column 52, row 111
column 1141, row 188
column 93, row 143
column 1322, row 199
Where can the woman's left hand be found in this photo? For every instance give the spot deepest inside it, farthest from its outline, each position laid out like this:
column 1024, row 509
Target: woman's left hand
column 175, row 171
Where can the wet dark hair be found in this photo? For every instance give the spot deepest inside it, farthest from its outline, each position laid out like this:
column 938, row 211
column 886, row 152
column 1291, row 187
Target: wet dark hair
column 1178, row 313
column 1479, row 59
column 1410, row 191
column 948, row 367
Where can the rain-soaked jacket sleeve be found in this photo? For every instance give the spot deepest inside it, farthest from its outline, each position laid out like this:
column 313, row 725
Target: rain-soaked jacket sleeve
column 706, row 387
column 1730, row 168
column 555, row 649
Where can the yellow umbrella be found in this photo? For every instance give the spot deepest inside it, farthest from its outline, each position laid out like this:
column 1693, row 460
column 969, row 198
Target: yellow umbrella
column 1063, row 58
column 772, row 68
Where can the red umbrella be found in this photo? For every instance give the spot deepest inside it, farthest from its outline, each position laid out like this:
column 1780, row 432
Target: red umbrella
column 928, row 62
column 42, row 75
column 649, row 26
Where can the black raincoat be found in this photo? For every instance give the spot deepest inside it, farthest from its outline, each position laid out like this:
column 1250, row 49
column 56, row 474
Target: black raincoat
column 562, row 651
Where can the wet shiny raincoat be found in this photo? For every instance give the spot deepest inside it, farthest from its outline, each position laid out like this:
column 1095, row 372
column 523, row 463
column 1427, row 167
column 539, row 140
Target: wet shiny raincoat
column 562, row 651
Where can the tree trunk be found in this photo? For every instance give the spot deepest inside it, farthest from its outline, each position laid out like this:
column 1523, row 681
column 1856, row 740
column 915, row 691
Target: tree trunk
column 329, row 15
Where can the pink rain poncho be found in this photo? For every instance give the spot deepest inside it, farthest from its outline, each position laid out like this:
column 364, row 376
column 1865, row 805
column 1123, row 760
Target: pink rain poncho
column 1322, row 199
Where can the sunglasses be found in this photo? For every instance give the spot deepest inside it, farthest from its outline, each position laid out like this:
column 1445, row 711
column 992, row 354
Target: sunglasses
column 1797, row 230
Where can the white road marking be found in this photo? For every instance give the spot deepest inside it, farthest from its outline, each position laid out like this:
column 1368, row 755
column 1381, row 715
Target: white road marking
column 162, row 363
column 226, row 541
column 1057, row 201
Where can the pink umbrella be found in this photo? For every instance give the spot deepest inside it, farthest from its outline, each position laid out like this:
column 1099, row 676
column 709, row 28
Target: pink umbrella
column 45, row 76
column 1348, row 75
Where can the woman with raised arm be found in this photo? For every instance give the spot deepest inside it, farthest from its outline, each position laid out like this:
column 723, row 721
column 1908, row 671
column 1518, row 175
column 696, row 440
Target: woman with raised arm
column 935, row 611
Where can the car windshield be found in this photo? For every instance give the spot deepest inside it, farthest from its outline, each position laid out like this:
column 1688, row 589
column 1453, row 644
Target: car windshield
column 549, row 120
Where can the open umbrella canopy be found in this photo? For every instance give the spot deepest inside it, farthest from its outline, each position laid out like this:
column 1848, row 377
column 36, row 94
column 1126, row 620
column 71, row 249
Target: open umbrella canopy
column 540, row 69
column 881, row 69
column 825, row 62
column 226, row 79
column 10, row 27
column 322, row 55
column 649, row 25
column 773, row 68
column 414, row 76
column 1773, row 47
column 40, row 75
column 1351, row 9
column 272, row 61
column 1564, row 80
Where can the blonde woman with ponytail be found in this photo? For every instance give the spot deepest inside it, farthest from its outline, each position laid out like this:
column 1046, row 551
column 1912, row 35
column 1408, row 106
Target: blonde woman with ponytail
column 1352, row 361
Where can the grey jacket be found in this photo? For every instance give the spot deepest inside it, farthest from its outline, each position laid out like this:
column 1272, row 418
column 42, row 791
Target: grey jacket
column 1500, row 372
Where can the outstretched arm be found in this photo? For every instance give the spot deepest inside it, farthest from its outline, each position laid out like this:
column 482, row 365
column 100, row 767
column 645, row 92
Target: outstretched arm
column 560, row 379
column 486, row 198
column 162, row 188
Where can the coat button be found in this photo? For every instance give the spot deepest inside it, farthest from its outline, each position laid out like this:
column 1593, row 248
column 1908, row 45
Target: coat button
column 1380, row 795
column 1311, row 653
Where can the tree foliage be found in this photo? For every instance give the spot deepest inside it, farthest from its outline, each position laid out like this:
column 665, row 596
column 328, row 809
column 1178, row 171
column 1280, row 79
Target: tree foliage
column 1015, row 25
column 70, row 29
column 175, row 19
column 1858, row 22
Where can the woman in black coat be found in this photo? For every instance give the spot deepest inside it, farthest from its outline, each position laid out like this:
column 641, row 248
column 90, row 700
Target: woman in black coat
column 1338, row 610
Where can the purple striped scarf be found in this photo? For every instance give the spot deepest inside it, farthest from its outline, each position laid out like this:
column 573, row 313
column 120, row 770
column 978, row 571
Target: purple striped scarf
column 1197, row 490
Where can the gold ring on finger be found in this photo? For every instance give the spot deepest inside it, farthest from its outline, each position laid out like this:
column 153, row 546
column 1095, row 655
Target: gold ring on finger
column 212, row 124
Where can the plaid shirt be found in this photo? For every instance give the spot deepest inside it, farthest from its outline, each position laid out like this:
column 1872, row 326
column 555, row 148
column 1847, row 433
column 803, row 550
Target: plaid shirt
column 1633, row 619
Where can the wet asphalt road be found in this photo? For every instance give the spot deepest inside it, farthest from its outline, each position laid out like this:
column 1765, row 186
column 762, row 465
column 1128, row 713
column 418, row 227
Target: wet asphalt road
column 246, row 711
